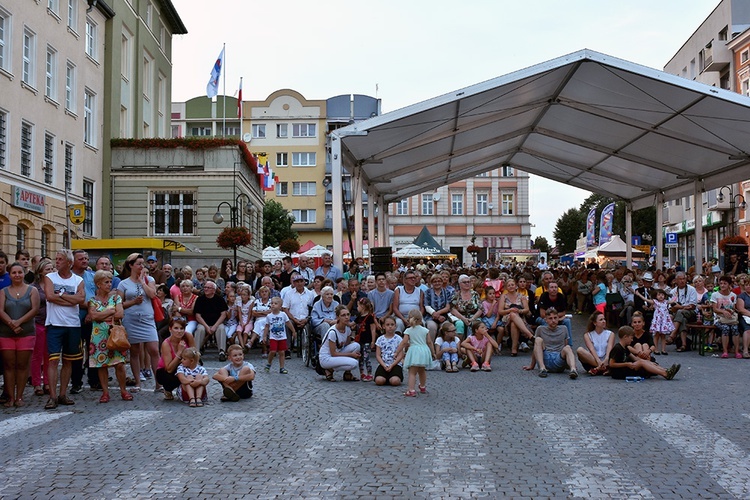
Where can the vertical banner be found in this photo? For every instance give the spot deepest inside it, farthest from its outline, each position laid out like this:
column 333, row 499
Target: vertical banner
column 591, row 229
column 605, row 226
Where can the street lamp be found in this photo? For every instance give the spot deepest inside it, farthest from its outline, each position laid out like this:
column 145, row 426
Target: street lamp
column 732, row 205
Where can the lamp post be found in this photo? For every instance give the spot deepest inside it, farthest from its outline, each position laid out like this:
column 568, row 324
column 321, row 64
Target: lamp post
column 236, row 215
column 732, row 205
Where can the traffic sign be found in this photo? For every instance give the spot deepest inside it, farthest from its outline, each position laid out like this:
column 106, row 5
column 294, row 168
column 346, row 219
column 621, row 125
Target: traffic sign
column 671, row 240
column 636, row 240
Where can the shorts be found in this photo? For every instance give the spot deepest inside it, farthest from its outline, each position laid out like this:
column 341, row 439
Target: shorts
column 396, row 371
column 728, row 330
column 554, row 362
column 66, row 339
column 277, row 345
column 246, row 390
column 17, row 343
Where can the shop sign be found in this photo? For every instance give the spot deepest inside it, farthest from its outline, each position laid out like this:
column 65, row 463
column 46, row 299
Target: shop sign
column 28, row 200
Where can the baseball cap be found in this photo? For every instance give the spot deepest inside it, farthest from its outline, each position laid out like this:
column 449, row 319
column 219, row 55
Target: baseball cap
column 150, row 258
column 297, row 277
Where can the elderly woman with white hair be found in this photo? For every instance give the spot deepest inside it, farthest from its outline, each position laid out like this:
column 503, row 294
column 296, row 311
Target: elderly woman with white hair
column 323, row 314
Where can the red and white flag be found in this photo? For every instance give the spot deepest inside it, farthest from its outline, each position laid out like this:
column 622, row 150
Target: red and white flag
column 239, row 101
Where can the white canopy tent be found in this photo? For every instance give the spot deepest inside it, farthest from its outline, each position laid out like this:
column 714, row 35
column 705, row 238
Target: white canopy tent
column 616, row 248
column 586, row 119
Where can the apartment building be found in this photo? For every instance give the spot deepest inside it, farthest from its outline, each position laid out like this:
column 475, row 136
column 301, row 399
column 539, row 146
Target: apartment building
column 204, row 117
column 52, row 104
column 713, row 55
column 492, row 208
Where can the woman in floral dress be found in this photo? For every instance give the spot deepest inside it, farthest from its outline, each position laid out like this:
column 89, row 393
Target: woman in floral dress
column 105, row 307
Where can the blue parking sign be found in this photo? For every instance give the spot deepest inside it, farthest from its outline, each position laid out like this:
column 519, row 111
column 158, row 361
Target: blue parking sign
column 671, row 240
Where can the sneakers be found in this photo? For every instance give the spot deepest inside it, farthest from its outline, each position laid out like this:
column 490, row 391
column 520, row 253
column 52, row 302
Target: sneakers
column 230, row 395
column 543, row 373
column 486, row 367
column 267, row 369
column 222, row 355
column 573, row 375
column 146, row 373
column 287, row 354
column 76, row 389
column 672, row 371
column 474, row 367
column 283, row 371
column 264, row 355
column 524, row 347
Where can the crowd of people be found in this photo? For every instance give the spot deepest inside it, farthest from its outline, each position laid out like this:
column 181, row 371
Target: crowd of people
column 420, row 316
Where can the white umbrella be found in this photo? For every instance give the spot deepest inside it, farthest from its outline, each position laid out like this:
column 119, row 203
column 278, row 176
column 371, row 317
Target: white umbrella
column 365, row 253
column 412, row 250
column 273, row 253
column 317, row 251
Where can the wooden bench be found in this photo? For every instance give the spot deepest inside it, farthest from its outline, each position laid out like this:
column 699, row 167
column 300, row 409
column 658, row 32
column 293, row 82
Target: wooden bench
column 698, row 333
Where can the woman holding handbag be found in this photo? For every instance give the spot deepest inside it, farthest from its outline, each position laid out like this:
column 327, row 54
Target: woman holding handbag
column 136, row 290
column 105, row 308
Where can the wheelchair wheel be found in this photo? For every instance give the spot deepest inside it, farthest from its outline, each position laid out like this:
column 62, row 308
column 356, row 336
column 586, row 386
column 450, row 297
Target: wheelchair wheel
column 305, row 344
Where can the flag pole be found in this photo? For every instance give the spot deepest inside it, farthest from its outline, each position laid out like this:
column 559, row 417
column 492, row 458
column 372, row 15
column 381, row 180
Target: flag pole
column 224, row 120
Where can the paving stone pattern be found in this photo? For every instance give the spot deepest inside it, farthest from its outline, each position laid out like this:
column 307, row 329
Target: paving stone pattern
column 507, row 433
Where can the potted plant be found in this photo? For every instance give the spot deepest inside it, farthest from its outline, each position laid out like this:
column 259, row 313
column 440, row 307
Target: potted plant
column 731, row 240
column 233, row 237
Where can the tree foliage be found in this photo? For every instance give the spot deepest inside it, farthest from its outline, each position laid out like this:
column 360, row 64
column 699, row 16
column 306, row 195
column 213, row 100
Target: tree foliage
column 277, row 224
column 572, row 223
column 541, row 244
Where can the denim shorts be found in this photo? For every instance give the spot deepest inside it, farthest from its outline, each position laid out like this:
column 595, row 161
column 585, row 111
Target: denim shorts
column 554, row 362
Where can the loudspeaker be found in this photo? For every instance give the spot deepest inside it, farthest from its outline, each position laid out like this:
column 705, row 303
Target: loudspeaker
column 381, row 259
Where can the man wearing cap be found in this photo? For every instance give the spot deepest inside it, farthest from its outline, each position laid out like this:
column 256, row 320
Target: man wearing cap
column 297, row 303
column 154, row 271
column 645, row 291
column 685, row 299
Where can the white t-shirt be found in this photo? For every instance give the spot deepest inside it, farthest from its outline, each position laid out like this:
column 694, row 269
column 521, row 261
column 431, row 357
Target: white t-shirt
column 58, row 315
column 337, row 337
column 277, row 325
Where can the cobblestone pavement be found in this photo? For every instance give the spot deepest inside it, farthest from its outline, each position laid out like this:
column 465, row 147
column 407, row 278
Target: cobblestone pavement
column 505, row 433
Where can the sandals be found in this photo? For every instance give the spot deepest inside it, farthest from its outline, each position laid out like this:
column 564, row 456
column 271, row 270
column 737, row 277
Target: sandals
column 168, row 396
column 329, row 376
column 410, row 394
column 423, row 389
column 38, row 391
column 104, row 398
column 51, row 404
column 543, row 373
column 193, row 403
column 348, row 377
column 65, row 400
column 126, row 396
column 19, row 403
column 199, row 403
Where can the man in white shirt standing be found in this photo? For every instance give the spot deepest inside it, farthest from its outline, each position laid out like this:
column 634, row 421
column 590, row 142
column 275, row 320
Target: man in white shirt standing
column 297, row 302
column 65, row 293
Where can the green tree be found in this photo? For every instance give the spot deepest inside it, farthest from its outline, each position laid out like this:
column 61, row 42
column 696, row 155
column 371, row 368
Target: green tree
column 568, row 229
column 541, row 244
column 277, row 224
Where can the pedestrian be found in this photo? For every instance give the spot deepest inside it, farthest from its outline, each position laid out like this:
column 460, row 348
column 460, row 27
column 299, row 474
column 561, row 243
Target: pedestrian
column 275, row 334
column 418, row 356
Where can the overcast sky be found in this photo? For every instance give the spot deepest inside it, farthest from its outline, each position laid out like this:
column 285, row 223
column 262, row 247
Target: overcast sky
column 417, row 49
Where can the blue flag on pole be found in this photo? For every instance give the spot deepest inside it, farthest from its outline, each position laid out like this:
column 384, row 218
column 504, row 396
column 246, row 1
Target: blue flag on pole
column 212, row 89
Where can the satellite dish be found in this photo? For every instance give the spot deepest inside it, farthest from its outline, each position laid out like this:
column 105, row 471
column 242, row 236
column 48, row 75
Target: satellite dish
column 436, row 197
column 247, row 137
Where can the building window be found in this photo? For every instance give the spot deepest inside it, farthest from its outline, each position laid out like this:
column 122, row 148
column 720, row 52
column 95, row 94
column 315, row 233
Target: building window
column 4, row 40
column 54, row 7
column 303, row 189
column 746, row 87
column 402, row 207
column 282, row 189
column 68, row 167
column 200, row 131
column 482, row 203
column 20, row 237
column 282, row 159
column 29, row 57
column 26, row 148
column 44, row 249
column 483, row 174
column 281, row 131
column 91, row 39
column 147, row 75
column 507, row 204
column 303, row 159
column 457, row 204
column 89, row 117
column 173, row 213
column 49, row 158
column 3, row 138
column 305, row 216
column 744, row 56
column 149, row 14
column 427, row 207
column 303, row 130
column 126, row 57
column 88, row 202
column 73, row 15
column 50, row 79
column 70, row 87
column 161, row 97
column 259, row 131
column 507, row 171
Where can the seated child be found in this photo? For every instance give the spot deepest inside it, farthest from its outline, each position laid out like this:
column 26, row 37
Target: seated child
column 193, row 378
column 236, row 377
column 623, row 364
column 448, row 347
column 479, row 346
column 389, row 364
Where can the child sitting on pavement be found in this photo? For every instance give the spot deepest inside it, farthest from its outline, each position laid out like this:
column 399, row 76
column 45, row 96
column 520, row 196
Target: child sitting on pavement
column 193, row 378
column 448, row 346
column 551, row 349
column 479, row 346
column 236, row 377
column 623, row 364
column 389, row 368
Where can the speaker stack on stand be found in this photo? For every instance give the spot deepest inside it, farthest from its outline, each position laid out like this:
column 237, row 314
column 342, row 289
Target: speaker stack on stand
column 381, row 260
